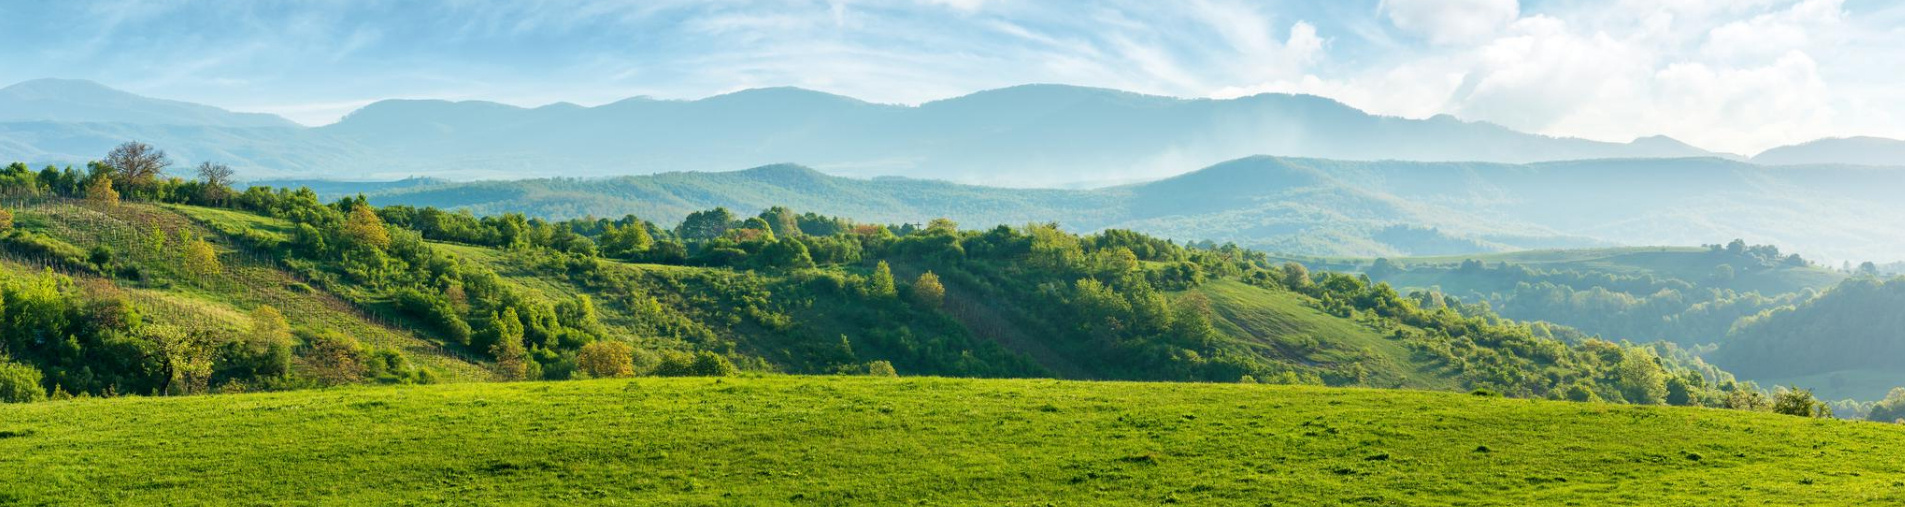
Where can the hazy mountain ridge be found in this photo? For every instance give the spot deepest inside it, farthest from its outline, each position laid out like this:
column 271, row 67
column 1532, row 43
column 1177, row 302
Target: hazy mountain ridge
column 79, row 101
column 1032, row 135
column 1858, row 150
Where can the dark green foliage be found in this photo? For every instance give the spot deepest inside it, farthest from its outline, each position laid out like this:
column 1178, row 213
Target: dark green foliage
column 1857, row 324
column 436, row 311
column 1685, row 296
column 80, row 344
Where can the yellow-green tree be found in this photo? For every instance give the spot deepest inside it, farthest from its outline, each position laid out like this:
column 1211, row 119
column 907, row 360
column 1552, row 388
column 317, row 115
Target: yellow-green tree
column 201, row 259
column 100, row 191
column 365, row 228
column 266, row 346
column 928, row 291
column 606, row 359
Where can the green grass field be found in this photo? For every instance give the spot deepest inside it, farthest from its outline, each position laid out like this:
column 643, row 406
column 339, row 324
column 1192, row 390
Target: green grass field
column 784, row 440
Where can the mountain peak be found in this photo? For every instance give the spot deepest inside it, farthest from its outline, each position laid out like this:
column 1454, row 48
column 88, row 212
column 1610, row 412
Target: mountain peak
column 1043, row 94
column 82, row 101
column 1857, row 150
column 782, row 95
column 782, row 172
column 54, row 86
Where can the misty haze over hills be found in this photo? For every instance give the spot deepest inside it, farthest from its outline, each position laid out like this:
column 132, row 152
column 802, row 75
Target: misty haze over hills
column 1530, row 191
column 1033, row 135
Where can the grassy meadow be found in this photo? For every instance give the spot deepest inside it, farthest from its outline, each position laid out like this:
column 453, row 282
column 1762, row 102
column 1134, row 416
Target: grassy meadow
column 793, row 440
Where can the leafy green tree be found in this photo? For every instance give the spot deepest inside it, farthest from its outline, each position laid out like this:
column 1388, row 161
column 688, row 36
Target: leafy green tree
column 1641, row 379
column 882, row 369
column 1295, row 276
column 942, row 226
column 1799, row 402
column 709, row 364
column 1679, row 391
column 787, row 253
column 782, row 221
column 512, row 358
column 627, row 241
column 705, row 225
column 263, row 351
column 1582, row 391
column 881, row 283
column 19, row 383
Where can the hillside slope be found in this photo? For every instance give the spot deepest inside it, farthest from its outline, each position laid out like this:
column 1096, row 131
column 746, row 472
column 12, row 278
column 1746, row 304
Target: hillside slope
column 142, row 245
column 839, row 440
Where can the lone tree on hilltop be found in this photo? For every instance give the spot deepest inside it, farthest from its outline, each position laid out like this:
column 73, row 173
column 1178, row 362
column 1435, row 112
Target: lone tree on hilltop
column 137, row 164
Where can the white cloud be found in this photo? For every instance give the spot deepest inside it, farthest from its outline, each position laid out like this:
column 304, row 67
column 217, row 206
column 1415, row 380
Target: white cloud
column 1773, row 34
column 1736, row 76
column 1450, row 21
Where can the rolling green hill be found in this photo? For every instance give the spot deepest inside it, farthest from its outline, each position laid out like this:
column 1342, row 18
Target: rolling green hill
column 420, row 295
column 1846, row 341
column 133, row 254
column 781, row 440
column 1295, row 206
column 1692, row 264
column 1689, row 296
column 1771, row 319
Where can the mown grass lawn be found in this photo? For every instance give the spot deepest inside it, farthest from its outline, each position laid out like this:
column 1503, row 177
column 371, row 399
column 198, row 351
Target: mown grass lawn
column 784, row 440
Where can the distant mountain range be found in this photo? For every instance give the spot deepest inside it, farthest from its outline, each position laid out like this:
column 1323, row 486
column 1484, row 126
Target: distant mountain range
column 1293, row 205
column 79, row 101
column 1034, row 135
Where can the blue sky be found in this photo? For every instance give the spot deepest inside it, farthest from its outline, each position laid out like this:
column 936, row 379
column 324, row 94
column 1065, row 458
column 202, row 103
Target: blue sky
column 1735, row 75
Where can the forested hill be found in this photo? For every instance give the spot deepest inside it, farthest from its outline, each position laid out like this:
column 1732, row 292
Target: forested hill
column 1687, row 295
column 179, row 286
column 1848, row 340
column 1301, row 206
